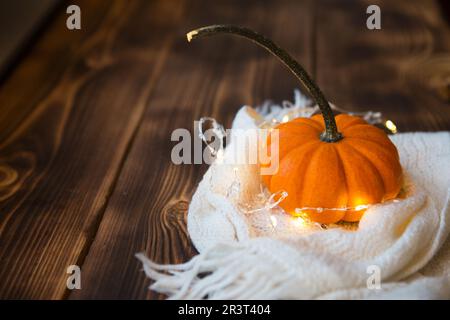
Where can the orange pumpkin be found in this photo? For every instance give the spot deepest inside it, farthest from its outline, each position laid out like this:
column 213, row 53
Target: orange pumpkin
column 324, row 162
column 359, row 169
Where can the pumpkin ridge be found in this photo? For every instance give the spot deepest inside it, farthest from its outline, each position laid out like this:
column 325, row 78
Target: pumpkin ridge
column 378, row 144
column 323, row 189
column 341, row 165
column 295, row 143
column 386, row 164
column 268, row 178
column 363, row 126
column 305, row 123
column 381, row 144
column 303, row 173
column 371, row 165
column 295, row 149
column 382, row 140
column 318, row 118
column 349, row 122
column 271, row 186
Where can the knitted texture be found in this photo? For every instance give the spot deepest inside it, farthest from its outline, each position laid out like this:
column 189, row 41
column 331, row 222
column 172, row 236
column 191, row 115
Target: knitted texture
column 247, row 256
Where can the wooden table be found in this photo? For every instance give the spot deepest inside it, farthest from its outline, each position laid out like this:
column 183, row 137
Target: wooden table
column 86, row 117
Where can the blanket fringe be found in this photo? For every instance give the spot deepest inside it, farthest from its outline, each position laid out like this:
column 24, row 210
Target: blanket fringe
column 223, row 271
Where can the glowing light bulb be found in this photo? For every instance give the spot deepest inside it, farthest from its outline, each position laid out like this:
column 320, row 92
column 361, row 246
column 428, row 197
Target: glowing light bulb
column 274, row 220
column 299, row 222
column 361, row 207
column 219, row 156
column 391, row 126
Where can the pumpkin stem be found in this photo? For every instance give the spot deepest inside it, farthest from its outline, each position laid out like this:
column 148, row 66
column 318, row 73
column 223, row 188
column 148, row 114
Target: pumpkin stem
column 331, row 133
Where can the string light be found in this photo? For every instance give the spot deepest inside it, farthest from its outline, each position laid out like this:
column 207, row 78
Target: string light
column 318, row 209
column 275, row 115
column 391, row 126
column 272, row 202
column 273, row 220
column 300, row 222
column 301, row 219
column 285, row 118
column 218, row 131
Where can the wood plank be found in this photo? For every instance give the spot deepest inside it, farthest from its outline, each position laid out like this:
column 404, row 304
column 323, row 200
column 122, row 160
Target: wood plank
column 22, row 19
column 402, row 70
column 68, row 116
column 44, row 64
column 212, row 77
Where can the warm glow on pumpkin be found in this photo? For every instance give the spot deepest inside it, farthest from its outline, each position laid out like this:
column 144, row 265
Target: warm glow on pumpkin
column 299, row 222
column 325, row 161
column 360, row 169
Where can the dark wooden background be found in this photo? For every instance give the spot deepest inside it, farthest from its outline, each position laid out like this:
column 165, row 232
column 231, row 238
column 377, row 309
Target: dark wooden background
column 86, row 118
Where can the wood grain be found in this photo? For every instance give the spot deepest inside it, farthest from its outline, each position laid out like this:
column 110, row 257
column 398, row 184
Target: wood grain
column 60, row 163
column 85, row 120
column 22, row 26
column 213, row 77
column 402, row 70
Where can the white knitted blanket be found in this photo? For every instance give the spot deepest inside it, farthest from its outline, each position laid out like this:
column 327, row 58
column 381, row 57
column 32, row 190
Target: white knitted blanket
column 398, row 250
